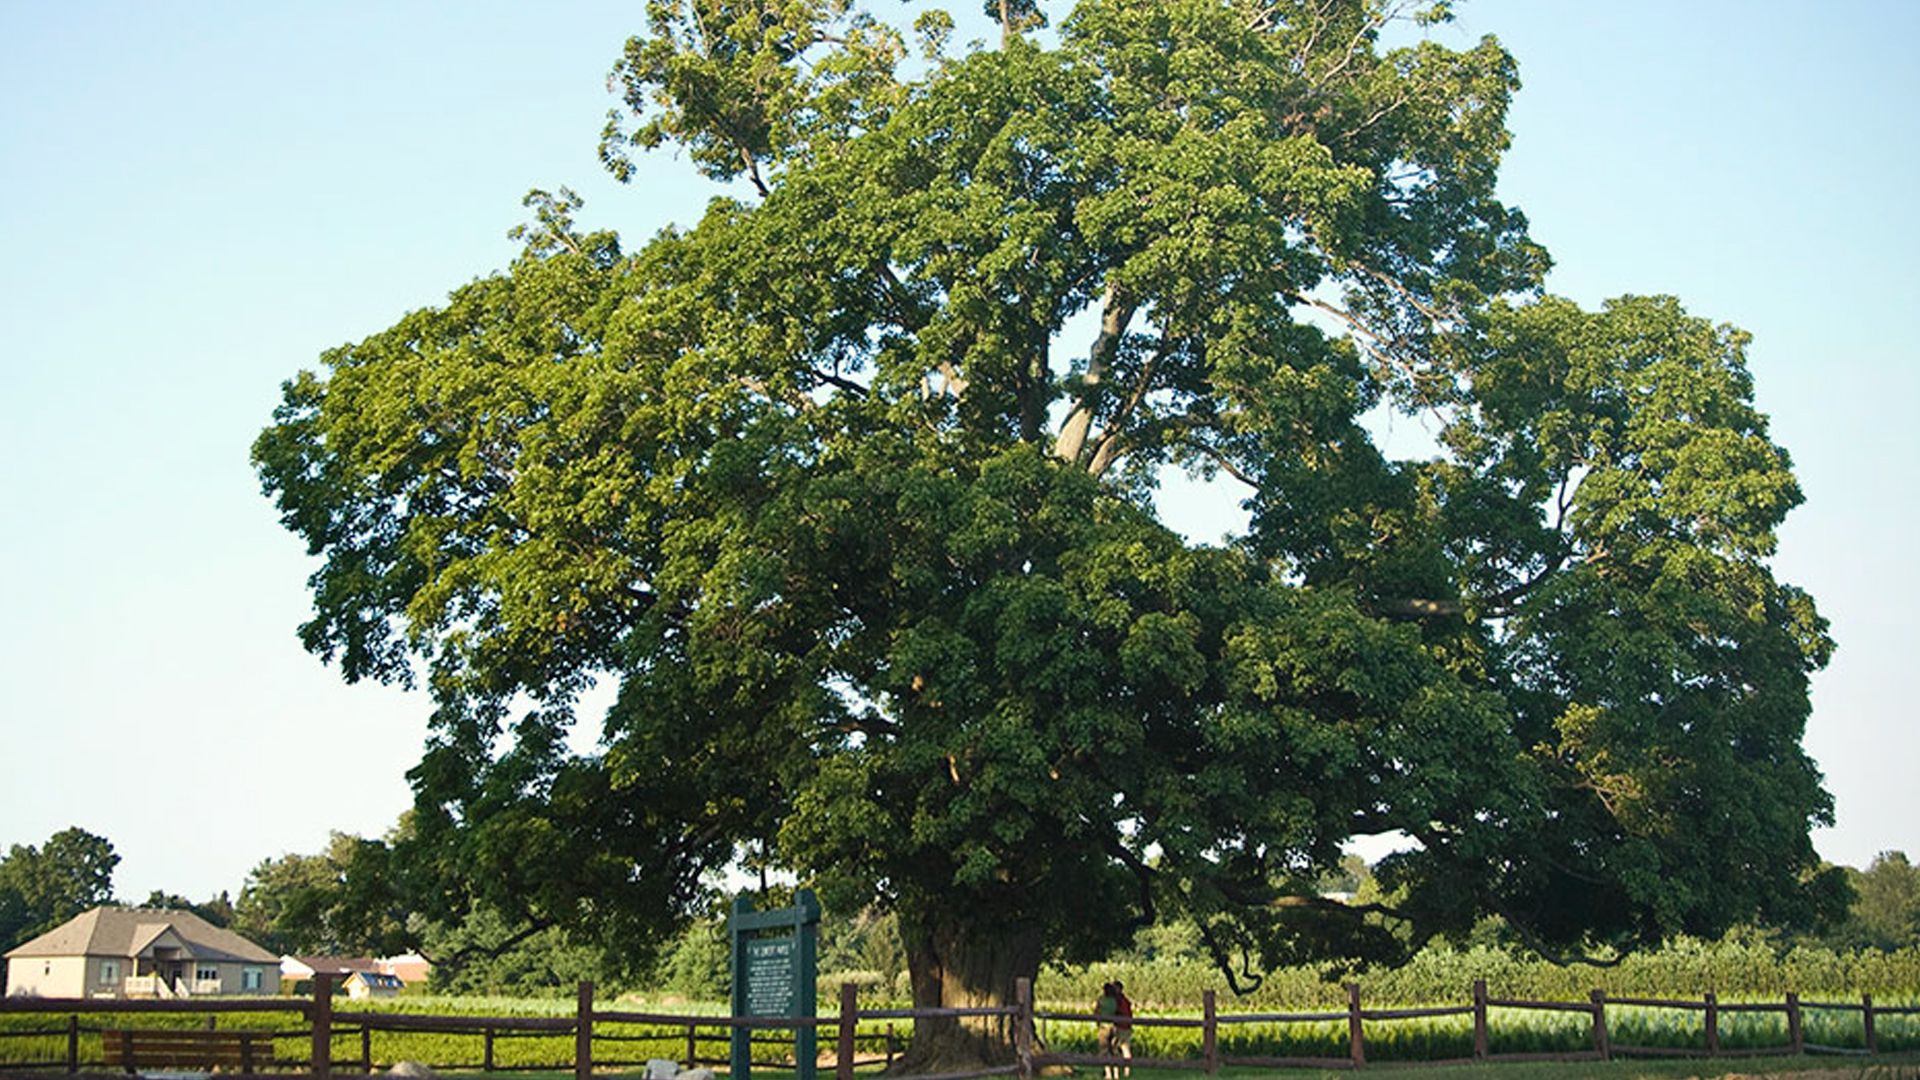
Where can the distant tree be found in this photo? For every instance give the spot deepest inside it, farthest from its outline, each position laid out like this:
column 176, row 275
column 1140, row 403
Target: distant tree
column 1886, row 907
column 694, row 964
column 14, row 919
column 1171, row 940
column 217, row 910
column 42, row 887
column 347, row 899
column 866, row 940
column 1352, row 873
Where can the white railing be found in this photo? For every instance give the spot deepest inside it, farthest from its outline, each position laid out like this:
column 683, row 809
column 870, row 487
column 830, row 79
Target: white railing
column 161, row 987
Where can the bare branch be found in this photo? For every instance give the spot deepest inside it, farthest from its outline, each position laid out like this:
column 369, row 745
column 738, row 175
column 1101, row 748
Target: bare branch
column 1432, row 313
column 1220, row 459
column 1374, row 345
column 1378, row 115
column 1367, row 26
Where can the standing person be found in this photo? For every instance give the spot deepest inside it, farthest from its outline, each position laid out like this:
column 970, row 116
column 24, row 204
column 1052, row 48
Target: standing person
column 1106, row 1035
column 1123, row 1026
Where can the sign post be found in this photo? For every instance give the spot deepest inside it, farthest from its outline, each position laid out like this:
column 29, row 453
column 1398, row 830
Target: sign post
column 774, row 972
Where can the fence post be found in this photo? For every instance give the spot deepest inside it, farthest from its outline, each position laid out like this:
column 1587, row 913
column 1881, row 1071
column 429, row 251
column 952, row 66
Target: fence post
column 1481, row 1043
column 1600, row 1041
column 1210, row 1032
column 73, row 1044
column 1356, row 1040
column 1023, row 1025
column 1713, row 1024
column 321, row 1016
column 849, row 1013
column 1795, row 1036
column 1866, row 1022
column 366, row 1048
column 693, row 1050
column 889, row 1046
column 583, row 1034
column 486, row 1049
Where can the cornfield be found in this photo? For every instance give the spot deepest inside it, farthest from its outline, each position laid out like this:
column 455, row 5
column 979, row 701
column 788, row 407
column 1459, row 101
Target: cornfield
column 1685, row 969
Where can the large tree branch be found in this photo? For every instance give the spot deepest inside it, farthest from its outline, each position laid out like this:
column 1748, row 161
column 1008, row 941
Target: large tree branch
column 1413, row 607
column 1500, row 603
column 1108, row 447
column 905, row 311
column 753, row 172
column 841, row 381
column 1551, row 955
column 1143, row 876
column 1221, row 961
column 1328, row 905
column 461, row 957
column 1117, row 311
column 800, row 402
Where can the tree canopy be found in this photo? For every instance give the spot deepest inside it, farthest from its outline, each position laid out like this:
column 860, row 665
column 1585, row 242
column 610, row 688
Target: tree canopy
column 344, row 900
column 1886, row 905
column 850, row 488
column 42, row 887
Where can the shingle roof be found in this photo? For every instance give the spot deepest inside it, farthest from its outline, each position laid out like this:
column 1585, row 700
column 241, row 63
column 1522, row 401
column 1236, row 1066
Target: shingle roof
column 338, row 965
column 118, row 931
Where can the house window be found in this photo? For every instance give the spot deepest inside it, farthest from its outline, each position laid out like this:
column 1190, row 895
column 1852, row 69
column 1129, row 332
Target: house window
column 109, row 972
column 206, row 973
column 250, row 978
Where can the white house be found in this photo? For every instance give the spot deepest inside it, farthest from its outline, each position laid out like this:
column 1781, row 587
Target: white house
column 409, row 968
column 362, row 985
column 140, row 952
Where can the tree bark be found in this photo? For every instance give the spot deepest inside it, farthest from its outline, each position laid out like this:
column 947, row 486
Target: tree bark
column 958, row 963
column 1116, row 312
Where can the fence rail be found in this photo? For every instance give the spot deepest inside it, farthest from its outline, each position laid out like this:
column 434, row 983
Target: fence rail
column 597, row 1038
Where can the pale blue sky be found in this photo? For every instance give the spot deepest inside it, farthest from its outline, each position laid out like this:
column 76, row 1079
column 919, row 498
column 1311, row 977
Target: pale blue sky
column 197, row 198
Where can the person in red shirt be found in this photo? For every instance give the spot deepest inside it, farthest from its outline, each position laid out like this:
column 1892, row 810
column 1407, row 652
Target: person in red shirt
column 1123, row 1025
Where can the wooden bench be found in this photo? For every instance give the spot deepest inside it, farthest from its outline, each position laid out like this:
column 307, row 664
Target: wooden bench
column 242, row 1051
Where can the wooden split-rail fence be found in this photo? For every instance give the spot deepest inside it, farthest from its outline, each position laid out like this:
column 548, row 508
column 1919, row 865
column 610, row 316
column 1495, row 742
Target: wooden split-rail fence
column 599, row 1034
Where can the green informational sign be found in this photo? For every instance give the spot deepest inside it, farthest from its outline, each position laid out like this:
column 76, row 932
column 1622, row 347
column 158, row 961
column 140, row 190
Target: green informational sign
column 774, row 973
column 771, row 964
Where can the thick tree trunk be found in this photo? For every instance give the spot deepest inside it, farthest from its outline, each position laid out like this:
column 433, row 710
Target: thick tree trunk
column 957, row 963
